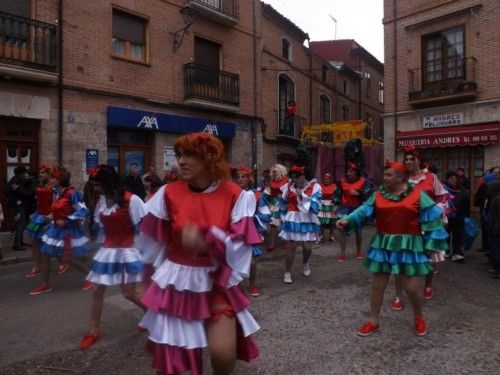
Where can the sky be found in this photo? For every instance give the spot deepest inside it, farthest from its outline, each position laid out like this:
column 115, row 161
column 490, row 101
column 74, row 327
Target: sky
column 360, row 20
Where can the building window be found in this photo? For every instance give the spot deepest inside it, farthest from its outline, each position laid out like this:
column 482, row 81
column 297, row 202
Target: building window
column 444, row 56
column 345, row 113
column 286, row 49
column 129, row 36
column 324, row 72
column 346, row 87
column 368, row 84
column 325, row 113
column 381, row 129
column 381, row 92
column 286, row 105
column 368, row 133
column 207, row 59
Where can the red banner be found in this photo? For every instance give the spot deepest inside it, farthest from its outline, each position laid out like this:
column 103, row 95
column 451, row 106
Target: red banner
column 456, row 136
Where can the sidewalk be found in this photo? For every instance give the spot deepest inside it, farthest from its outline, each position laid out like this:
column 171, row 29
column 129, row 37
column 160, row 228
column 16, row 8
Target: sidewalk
column 10, row 256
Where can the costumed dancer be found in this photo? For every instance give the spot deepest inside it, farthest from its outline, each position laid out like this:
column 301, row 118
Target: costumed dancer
column 262, row 217
column 325, row 215
column 300, row 203
column 426, row 181
column 352, row 191
column 39, row 221
column 272, row 194
column 409, row 229
column 204, row 223
column 117, row 262
column 65, row 236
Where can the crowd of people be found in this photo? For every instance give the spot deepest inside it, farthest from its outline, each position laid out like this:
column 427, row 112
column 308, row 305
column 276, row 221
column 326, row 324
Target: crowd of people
column 180, row 247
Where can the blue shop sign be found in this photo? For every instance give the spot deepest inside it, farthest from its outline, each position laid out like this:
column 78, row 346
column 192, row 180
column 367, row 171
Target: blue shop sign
column 154, row 121
column 91, row 158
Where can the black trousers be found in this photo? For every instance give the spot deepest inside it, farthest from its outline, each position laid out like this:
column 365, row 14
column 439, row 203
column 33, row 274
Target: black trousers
column 456, row 235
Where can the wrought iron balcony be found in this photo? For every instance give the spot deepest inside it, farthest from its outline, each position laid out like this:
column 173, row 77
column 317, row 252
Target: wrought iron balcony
column 28, row 43
column 290, row 129
column 221, row 11
column 450, row 81
column 208, row 87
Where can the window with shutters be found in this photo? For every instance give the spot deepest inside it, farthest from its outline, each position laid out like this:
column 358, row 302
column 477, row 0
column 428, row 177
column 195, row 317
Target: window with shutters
column 129, row 36
column 324, row 110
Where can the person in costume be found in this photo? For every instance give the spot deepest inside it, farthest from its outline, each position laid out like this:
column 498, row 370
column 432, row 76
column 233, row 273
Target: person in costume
column 300, row 203
column 272, row 194
column 426, row 181
column 36, row 228
column 117, row 262
column 204, row 225
column 262, row 217
column 409, row 229
column 325, row 215
column 352, row 191
column 65, row 236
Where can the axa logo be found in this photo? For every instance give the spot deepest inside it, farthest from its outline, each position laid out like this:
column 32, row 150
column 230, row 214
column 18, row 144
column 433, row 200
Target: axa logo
column 92, row 153
column 148, row 122
column 211, row 128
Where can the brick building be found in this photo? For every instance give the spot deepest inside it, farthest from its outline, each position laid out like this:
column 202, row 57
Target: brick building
column 441, row 82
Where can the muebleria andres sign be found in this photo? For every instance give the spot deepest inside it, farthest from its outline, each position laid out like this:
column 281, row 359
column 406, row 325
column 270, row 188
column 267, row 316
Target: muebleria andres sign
column 444, row 120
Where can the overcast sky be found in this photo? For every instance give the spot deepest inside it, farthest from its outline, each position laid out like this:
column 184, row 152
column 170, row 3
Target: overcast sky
column 360, row 20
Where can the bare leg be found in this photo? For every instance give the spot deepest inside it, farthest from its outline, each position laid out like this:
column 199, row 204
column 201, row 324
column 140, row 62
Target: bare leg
column 306, row 251
column 129, row 291
column 359, row 240
column 96, row 307
column 430, row 276
column 78, row 265
column 290, row 256
column 380, row 281
column 343, row 244
column 37, row 257
column 253, row 272
column 272, row 236
column 411, row 287
column 222, row 344
column 45, row 263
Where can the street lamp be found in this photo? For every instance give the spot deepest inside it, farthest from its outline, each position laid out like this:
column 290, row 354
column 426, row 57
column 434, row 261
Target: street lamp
column 188, row 16
column 334, row 20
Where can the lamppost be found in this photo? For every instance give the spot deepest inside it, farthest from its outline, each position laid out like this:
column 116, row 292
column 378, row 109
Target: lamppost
column 334, row 20
column 188, row 16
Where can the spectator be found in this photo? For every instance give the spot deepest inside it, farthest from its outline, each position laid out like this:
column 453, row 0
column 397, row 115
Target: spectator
column 18, row 199
column 494, row 225
column 171, row 176
column 480, row 201
column 133, row 182
column 152, row 183
column 462, row 180
column 460, row 210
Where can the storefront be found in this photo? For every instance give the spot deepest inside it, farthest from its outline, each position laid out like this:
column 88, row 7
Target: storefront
column 146, row 138
column 449, row 148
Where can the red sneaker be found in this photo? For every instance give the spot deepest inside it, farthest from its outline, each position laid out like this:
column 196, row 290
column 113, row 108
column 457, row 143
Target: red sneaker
column 86, row 285
column 359, row 255
column 255, row 291
column 34, row 272
column 368, row 328
column 428, row 293
column 41, row 289
column 89, row 339
column 420, row 325
column 286, row 246
column 62, row 268
column 341, row 259
column 396, row 304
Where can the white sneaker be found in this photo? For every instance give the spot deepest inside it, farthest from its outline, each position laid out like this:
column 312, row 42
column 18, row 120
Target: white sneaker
column 306, row 270
column 287, row 278
column 456, row 257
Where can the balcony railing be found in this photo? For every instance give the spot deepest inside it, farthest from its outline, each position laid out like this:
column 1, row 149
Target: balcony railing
column 291, row 127
column 223, row 11
column 209, row 85
column 452, row 80
column 29, row 43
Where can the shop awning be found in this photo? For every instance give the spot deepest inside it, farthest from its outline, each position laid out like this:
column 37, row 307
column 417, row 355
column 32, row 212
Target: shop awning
column 467, row 135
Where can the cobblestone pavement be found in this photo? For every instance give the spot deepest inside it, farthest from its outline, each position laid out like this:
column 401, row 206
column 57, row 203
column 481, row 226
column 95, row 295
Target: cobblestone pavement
column 308, row 327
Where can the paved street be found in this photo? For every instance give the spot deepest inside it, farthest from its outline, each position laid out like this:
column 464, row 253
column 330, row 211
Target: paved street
column 308, row 327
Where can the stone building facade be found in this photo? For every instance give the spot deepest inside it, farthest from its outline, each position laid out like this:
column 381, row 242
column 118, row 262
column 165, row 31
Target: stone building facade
column 441, row 82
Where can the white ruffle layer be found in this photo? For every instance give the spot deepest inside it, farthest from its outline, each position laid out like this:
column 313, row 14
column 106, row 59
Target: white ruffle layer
column 301, row 217
column 150, row 249
column 114, row 279
column 75, row 242
column 298, row 237
column 194, row 279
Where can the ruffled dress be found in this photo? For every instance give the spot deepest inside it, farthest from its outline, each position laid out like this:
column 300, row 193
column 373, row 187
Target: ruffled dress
column 346, row 202
column 429, row 183
column 300, row 213
column 261, row 218
column 326, row 213
column 118, row 261
column 272, row 194
column 39, row 223
column 71, row 239
column 187, row 286
column 409, row 230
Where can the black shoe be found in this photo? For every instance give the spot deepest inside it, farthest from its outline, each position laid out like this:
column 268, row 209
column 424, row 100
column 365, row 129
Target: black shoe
column 18, row 248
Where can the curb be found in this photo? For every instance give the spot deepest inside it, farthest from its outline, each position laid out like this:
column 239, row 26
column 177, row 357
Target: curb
column 14, row 260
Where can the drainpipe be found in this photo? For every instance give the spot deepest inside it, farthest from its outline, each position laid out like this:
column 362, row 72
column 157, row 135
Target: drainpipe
column 395, row 68
column 360, row 79
column 310, row 84
column 253, row 122
column 60, row 116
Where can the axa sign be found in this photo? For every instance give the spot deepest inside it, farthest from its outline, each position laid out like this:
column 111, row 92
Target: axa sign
column 148, row 122
column 211, row 128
